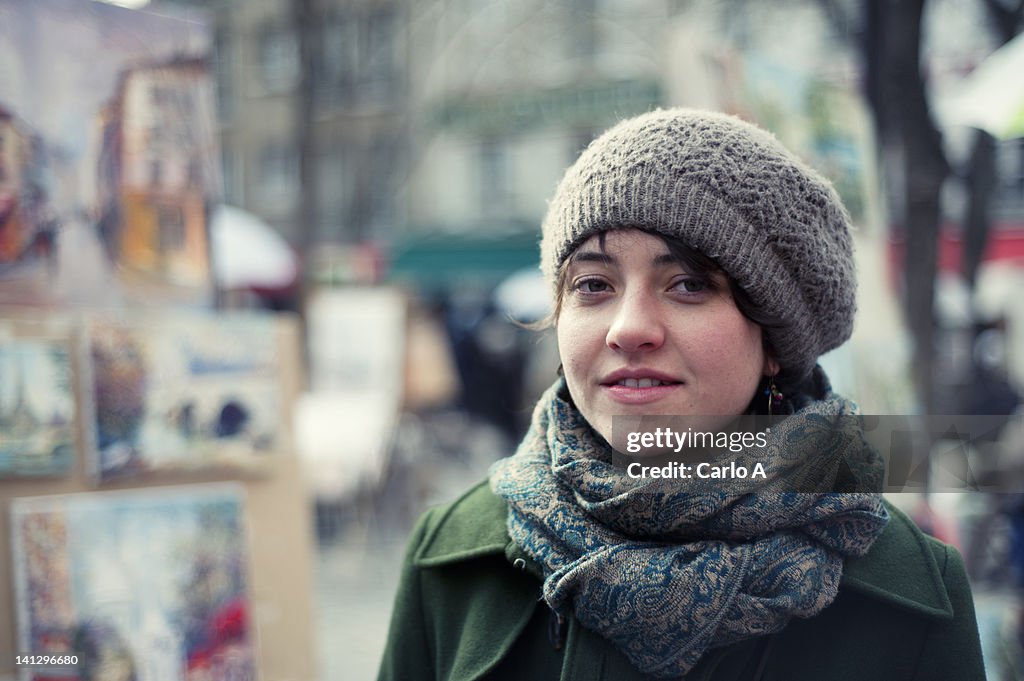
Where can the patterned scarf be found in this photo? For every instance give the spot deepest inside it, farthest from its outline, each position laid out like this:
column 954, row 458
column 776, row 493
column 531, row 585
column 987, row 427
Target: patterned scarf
column 668, row 573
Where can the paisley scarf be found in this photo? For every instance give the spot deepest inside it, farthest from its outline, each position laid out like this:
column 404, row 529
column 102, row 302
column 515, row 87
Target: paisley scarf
column 667, row 573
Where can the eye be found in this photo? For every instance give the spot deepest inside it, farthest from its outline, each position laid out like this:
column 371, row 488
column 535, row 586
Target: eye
column 691, row 286
column 591, row 285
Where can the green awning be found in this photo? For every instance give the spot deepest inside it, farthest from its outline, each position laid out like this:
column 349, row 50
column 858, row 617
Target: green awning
column 440, row 259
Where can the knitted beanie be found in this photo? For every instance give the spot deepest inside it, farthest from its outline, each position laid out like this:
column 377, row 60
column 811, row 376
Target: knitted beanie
column 731, row 191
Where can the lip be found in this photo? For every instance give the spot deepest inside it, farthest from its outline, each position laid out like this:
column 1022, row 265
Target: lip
column 626, row 395
column 616, row 376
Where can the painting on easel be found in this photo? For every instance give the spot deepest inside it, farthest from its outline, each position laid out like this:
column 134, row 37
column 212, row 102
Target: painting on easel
column 146, row 584
column 108, row 154
column 37, row 404
column 179, row 392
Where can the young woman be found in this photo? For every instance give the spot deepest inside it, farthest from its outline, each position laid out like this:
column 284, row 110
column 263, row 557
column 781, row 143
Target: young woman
column 698, row 269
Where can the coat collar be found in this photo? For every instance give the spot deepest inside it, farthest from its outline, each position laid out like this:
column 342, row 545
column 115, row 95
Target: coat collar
column 900, row 568
column 472, row 526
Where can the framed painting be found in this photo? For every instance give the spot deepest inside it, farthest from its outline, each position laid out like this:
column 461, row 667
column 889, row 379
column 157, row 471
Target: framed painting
column 183, row 392
column 150, row 585
column 37, row 399
column 108, row 153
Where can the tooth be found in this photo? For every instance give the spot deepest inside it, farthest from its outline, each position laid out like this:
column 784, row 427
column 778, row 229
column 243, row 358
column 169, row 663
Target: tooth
column 629, row 382
column 655, row 383
column 644, row 383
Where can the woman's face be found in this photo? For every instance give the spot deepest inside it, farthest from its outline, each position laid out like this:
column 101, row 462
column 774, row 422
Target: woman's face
column 639, row 335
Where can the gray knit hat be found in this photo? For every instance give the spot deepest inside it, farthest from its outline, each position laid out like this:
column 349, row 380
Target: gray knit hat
column 731, row 191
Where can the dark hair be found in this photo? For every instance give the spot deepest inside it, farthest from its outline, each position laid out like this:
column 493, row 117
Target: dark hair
column 698, row 265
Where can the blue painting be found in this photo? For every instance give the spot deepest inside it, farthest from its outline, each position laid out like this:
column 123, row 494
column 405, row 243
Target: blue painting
column 180, row 392
column 146, row 585
column 37, row 405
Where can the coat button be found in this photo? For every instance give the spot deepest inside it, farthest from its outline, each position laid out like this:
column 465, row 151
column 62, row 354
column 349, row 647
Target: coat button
column 519, row 563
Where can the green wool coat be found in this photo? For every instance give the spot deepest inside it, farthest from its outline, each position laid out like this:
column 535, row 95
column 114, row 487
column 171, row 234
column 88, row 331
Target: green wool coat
column 468, row 607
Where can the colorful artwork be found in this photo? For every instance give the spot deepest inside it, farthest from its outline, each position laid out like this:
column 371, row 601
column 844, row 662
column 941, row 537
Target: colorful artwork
column 145, row 585
column 184, row 392
column 107, row 152
column 37, row 405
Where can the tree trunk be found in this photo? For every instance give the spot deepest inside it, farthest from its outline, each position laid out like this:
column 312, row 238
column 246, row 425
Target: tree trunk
column 896, row 89
column 981, row 183
column 1005, row 19
column 304, row 17
column 306, row 213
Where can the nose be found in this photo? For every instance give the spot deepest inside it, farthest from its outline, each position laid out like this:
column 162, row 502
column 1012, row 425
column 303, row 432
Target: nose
column 637, row 325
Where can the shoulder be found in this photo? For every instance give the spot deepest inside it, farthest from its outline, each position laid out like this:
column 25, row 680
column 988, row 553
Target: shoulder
column 471, row 526
column 904, row 611
column 474, row 602
column 909, row 569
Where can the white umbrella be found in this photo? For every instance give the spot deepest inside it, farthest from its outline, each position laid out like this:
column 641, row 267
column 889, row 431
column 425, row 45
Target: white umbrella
column 248, row 252
column 991, row 98
column 524, row 295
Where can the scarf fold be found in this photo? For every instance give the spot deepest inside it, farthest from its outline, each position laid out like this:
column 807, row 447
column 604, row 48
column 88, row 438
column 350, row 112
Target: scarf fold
column 667, row 572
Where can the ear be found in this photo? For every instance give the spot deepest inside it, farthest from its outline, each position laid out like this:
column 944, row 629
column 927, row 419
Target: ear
column 771, row 366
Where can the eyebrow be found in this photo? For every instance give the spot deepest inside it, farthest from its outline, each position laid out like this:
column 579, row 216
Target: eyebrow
column 605, row 259
column 592, row 256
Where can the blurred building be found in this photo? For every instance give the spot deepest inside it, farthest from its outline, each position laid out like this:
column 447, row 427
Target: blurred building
column 505, row 95
column 155, row 168
column 358, row 88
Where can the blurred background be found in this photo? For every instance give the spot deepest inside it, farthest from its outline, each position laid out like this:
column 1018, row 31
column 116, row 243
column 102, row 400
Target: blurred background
column 375, row 172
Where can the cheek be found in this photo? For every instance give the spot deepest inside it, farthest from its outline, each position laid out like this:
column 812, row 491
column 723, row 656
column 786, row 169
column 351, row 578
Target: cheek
column 729, row 348
column 572, row 346
column 580, row 344
column 577, row 333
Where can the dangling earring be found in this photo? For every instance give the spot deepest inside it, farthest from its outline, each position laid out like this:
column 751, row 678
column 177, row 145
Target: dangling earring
column 773, row 393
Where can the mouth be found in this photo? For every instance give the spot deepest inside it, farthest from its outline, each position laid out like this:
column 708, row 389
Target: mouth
column 639, row 388
column 642, row 382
